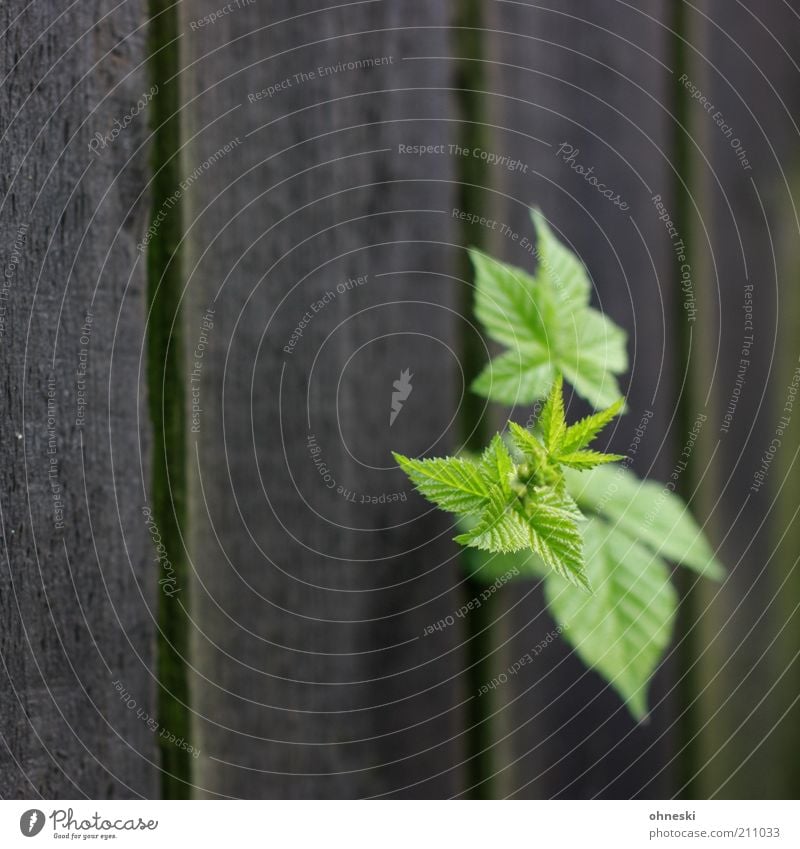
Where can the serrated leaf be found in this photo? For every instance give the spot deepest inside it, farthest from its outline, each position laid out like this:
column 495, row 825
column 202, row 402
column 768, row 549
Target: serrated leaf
column 547, row 524
column 584, row 431
column 506, row 303
column 452, row 483
column 552, row 518
column 591, row 351
column 649, row 512
column 547, row 313
column 495, row 464
column 624, row 627
column 500, row 527
column 587, row 459
column 518, row 376
column 562, row 501
column 560, row 267
column 552, row 420
column 527, row 443
column 560, row 442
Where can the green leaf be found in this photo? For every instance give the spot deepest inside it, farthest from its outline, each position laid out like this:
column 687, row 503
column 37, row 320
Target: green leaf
column 624, row 627
column 584, row 431
column 562, row 271
column 562, row 444
column 452, row 483
column 547, row 324
column 495, row 465
column 587, row 459
column 545, row 521
column 649, row 512
column 554, row 535
column 552, row 421
column 506, row 303
column 528, row 444
column 500, row 527
column 515, row 377
column 547, row 525
column 591, row 351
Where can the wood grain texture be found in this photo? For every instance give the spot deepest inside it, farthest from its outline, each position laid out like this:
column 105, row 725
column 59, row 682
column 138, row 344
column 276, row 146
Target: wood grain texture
column 746, row 227
column 595, row 78
column 77, row 581
column 312, row 675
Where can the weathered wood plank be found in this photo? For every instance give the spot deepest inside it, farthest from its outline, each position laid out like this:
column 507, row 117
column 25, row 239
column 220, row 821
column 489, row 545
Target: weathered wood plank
column 742, row 61
column 313, row 677
column 581, row 91
column 77, row 580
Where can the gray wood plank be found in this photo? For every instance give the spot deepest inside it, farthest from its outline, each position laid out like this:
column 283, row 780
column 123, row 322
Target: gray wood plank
column 743, row 62
column 582, row 85
column 317, row 570
column 77, row 580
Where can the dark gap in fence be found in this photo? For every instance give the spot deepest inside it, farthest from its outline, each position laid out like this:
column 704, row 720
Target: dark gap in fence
column 686, row 687
column 166, row 399
column 470, row 80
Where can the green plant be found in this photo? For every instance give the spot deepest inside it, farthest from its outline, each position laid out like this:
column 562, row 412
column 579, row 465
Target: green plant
column 541, row 501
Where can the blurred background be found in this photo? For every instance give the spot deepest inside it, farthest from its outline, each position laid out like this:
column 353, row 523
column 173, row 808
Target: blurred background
column 226, row 233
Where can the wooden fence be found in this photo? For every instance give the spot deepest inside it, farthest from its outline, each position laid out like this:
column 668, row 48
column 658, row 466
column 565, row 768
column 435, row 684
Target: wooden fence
column 225, row 234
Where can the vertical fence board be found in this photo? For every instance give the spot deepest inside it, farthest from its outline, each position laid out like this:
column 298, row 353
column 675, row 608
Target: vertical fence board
column 313, row 677
column 77, row 581
column 746, row 234
column 594, row 77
